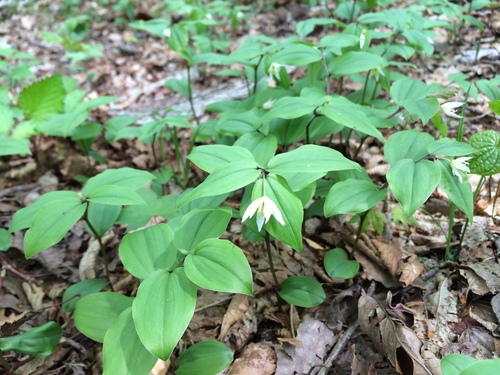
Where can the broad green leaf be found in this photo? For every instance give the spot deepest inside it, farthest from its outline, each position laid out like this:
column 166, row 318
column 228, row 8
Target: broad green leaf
column 486, row 162
column 123, row 351
column 62, row 125
column 199, row 225
column 407, row 90
column 420, row 41
column 51, row 223
column 450, row 147
column 237, row 123
column 299, row 181
column 486, row 366
column 6, row 118
column 155, row 26
column 208, row 357
column 5, row 239
column 84, row 288
column 310, row 159
column 495, row 106
column 454, row 364
column 338, row 266
column 355, row 62
column 306, row 194
column 407, row 144
column 225, row 179
column 101, row 217
column 14, row 146
column 352, row 196
column 114, row 125
column 219, row 265
column 162, row 310
column 289, row 108
column 23, row 218
column 38, row 342
column 115, row 195
column 96, row 313
column 459, row 193
column 302, row 291
column 180, row 86
column 412, row 183
column 296, row 55
column 424, row 109
column 348, row 114
column 147, row 250
column 290, row 207
column 210, row 157
column 43, row 99
column 288, row 132
column 124, row 177
column 262, row 147
column 304, row 28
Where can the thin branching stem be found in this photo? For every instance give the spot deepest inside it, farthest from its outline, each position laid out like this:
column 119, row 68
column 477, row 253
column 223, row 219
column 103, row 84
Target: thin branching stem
column 271, row 264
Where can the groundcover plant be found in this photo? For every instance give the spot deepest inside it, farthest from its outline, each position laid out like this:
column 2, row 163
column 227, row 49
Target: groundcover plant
column 342, row 194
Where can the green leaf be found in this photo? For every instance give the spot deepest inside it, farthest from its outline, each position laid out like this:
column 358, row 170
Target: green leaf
column 486, row 162
column 180, row 86
column 225, row 179
column 14, row 146
column 302, row 291
column 355, row 62
column 262, row 147
column 155, row 26
column 495, row 106
column 62, row 125
column 5, row 239
column 211, row 157
column 450, row 147
column 51, row 223
column 459, row 193
column 407, row 90
column 148, row 250
column 310, row 159
column 487, row 366
column 23, row 218
column 296, row 55
column 162, row 310
column 219, row 265
column 101, row 217
column 37, row 342
column 123, row 351
column 454, row 364
column 407, row 144
column 43, row 99
column 338, row 266
column 199, row 225
column 84, row 288
column 124, row 177
column 348, row 114
column 96, row 313
column 304, row 28
column 206, row 357
column 289, row 108
column 424, row 109
column 412, row 183
column 277, row 189
column 115, row 195
column 352, row 196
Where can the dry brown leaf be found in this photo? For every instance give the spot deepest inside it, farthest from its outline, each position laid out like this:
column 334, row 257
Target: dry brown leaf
column 291, row 341
column 257, row 359
column 235, row 312
column 489, row 272
column 34, row 294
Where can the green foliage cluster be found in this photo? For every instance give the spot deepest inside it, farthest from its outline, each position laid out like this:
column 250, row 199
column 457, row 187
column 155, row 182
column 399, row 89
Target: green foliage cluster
column 266, row 144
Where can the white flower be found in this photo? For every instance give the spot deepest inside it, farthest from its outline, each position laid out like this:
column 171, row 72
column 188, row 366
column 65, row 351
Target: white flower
column 460, row 164
column 430, row 40
column 362, row 38
column 451, row 107
column 240, row 15
column 265, row 208
column 167, row 32
column 274, row 70
column 377, row 72
column 269, row 104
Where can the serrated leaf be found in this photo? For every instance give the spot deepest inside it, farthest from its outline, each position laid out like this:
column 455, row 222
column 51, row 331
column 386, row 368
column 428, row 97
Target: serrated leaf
column 148, row 250
column 162, row 310
column 51, row 223
column 352, row 196
column 43, row 99
column 219, row 265
column 96, row 313
column 123, row 351
column 486, row 162
column 412, row 183
column 302, row 291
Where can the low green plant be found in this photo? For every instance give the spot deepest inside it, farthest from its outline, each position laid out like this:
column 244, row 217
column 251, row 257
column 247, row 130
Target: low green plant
column 459, row 364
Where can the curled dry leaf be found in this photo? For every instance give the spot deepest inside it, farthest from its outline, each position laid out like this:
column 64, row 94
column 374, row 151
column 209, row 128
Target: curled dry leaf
column 235, row 312
column 87, row 267
column 257, row 359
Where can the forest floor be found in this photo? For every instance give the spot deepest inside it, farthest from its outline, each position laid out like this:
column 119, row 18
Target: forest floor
column 404, row 295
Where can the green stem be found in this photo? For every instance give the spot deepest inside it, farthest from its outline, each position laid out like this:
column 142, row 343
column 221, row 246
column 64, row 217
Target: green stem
column 351, row 16
column 271, row 264
column 365, row 86
column 255, row 74
column 102, row 249
column 448, row 255
column 190, row 93
column 362, row 219
column 307, row 126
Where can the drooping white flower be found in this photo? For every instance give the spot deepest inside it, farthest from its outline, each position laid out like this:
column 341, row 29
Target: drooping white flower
column 265, row 208
column 377, row 72
column 167, row 32
column 450, row 108
column 362, row 38
column 430, row 40
column 274, row 71
column 268, row 104
column 460, row 164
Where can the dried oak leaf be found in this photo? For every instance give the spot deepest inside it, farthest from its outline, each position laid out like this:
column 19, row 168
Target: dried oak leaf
column 257, row 359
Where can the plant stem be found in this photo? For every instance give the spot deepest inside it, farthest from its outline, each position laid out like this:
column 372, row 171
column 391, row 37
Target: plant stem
column 307, row 127
column 327, row 72
column 362, row 219
column 103, row 250
column 365, row 86
column 190, row 92
column 255, row 74
column 351, row 16
column 448, row 255
column 271, row 264
column 292, row 327
column 4, row 363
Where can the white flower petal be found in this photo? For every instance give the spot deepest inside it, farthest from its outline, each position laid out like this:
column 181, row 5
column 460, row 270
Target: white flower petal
column 252, row 209
column 450, row 108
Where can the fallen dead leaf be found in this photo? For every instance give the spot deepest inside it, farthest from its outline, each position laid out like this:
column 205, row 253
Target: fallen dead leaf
column 257, row 359
column 235, row 312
